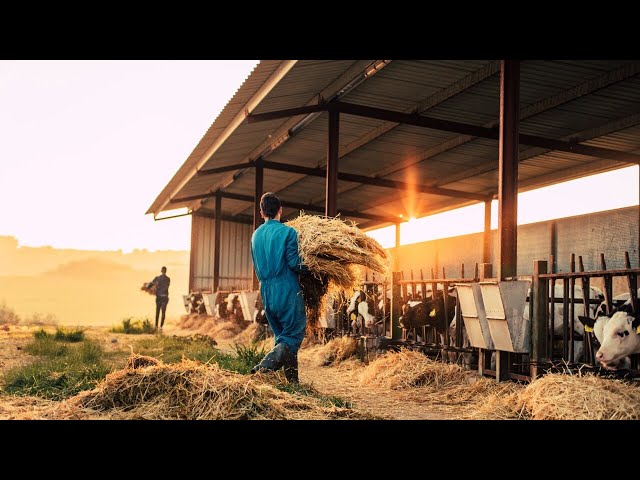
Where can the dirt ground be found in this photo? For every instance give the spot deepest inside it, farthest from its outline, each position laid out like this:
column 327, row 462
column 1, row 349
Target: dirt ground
column 340, row 380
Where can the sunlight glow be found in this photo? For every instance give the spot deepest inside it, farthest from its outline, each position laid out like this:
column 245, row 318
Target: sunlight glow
column 595, row 193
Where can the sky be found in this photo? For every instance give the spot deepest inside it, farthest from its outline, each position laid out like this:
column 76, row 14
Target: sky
column 86, row 146
column 594, row 193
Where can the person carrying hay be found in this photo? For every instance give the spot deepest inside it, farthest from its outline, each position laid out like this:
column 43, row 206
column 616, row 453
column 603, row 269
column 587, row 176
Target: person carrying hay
column 274, row 250
column 162, row 295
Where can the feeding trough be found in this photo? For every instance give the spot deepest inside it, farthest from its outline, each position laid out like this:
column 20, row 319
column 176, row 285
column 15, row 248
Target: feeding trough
column 474, row 315
column 504, row 305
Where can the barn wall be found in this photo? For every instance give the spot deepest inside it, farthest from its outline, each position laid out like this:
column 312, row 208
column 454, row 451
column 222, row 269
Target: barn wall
column 236, row 268
column 612, row 232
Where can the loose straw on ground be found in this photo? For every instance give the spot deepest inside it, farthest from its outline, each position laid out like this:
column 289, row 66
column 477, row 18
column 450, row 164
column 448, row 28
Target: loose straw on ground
column 192, row 390
column 335, row 351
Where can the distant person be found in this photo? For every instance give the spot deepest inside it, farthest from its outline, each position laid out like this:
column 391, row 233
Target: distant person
column 162, row 295
column 274, row 250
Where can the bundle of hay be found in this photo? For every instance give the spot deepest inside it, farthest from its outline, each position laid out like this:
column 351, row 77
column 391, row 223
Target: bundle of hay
column 406, row 369
column 193, row 321
column 150, row 288
column 580, row 397
column 332, row 250
column 336, row 351
column 140, row 361
column 191, row 390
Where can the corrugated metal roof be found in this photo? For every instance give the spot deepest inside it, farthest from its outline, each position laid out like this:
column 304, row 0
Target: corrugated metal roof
column 556, row 98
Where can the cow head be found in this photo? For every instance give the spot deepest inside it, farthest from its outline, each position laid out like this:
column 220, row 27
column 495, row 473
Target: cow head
column 618, row 335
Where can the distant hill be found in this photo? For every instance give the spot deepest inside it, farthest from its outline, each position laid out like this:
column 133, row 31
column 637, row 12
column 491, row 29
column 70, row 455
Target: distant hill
column 88, row 287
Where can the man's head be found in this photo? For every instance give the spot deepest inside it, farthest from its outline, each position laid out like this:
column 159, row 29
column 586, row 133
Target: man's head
column 270, row 205
column 163, row 269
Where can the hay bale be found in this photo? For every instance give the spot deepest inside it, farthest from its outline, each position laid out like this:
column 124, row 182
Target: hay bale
column 332, row 249
column 191, row 390
column 336, row 351
column 193, row 321
column 406, row 369
column 225, row 330
column 140, row 361
column 150, row 288
column 580, row 397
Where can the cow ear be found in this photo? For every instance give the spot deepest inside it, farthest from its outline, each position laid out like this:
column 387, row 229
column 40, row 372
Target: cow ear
column 587, row 322
column 636, row 323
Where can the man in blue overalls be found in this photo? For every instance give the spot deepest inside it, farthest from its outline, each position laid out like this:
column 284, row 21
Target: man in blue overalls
column 274, row 250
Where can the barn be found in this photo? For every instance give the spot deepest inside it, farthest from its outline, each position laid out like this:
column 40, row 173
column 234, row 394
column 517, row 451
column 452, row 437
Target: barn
column 380, row 141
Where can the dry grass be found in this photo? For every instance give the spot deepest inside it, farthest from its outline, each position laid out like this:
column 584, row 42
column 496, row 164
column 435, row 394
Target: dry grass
column 140, row 361
column 335, row 351
column 333, row 250
column 580, row 397
column 193, row 321
column 192, row 390
column 150, row 290
column 406, row 369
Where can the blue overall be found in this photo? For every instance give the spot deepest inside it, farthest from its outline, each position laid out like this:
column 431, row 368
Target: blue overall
column 274, row 250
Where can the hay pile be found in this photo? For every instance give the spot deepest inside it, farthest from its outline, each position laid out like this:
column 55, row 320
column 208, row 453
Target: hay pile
column 336, row 351
column 406, row 369
column 191, row 390
column 193, row 321
column 583, row 397
column 140, row 361
column 150, row 288
column 332, row 250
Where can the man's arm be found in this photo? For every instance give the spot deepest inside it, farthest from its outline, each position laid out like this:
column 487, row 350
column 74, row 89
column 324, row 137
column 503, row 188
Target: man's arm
column 291, row 251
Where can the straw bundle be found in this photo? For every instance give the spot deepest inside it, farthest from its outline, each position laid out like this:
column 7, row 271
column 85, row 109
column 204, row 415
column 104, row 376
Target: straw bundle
column 332, row 249
column 140, row 361
column 580, row 397
column 150, row 288
column 192, row 390
column 192, row 321
column 336, row 351
column 407, row 369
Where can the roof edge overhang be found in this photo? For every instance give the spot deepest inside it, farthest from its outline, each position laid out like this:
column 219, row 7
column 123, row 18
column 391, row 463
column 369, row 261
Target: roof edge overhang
column 210, row 141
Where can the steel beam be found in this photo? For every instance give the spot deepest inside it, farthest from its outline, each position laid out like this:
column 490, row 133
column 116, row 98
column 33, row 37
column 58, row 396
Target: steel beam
column 331, row 196
column 285, row 113
column 508, row 169
column 486, row 237
column 216, row 243
column 226, row 168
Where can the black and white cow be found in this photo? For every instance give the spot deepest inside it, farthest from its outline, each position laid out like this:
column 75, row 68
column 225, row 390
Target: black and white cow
column 429, row 312
column 617, row 334
column 361, row 312
column 230, row 306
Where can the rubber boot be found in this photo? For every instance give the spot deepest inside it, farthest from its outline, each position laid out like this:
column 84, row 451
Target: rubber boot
column 274, row 360
column 291, row 368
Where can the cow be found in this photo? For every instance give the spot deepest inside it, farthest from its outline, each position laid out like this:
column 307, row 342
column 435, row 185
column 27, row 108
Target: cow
column 360, row 311
column 429, row 312
column 578, row 328
column 230, row 306
column 617, row 334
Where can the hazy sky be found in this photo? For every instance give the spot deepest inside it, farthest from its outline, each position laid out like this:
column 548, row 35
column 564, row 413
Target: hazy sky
column 86, row 146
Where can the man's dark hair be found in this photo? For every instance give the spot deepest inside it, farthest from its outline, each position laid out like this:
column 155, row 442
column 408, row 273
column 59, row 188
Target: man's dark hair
column 270, row 204
column 163, row 269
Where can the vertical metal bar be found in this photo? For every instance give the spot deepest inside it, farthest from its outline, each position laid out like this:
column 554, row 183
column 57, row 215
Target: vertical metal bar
column 331, row 205
column 257, row 220
column 553, row 237
column 216, row 243
column 462, row 271
column 396, row 331
column 508, row 168
column 486, row 271
column 539, row 292
column 608, row 286
column 486, row 237
column 552, row 316
column 572, row 287
column 192, row 253
column 632, row 282
column 396, row 260
column 565, row 319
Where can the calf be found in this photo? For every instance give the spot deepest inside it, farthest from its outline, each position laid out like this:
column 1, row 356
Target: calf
column 361, row 304
column 429, row 312
column 618, row 336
